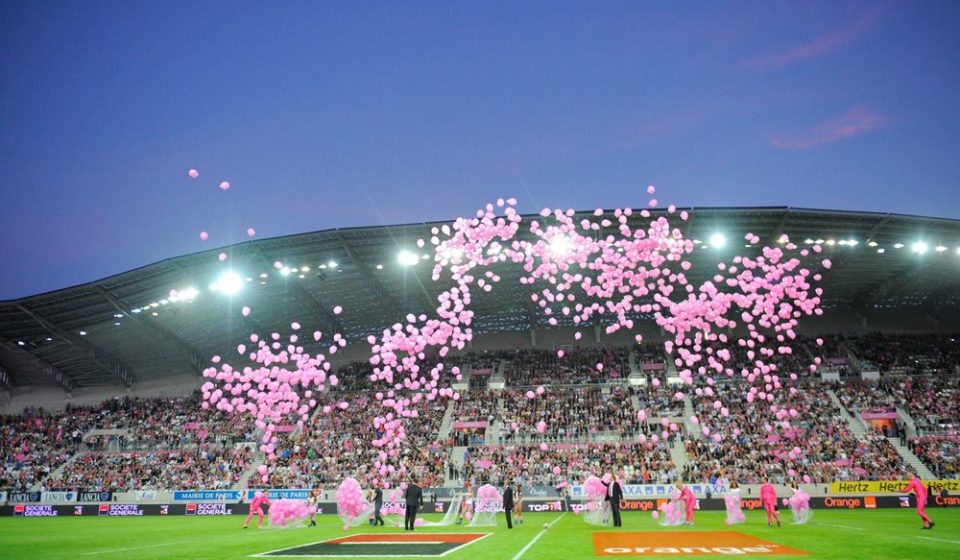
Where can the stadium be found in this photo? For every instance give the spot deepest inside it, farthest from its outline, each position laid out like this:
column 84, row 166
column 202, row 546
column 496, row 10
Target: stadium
column 102, row 414
column 525, row 280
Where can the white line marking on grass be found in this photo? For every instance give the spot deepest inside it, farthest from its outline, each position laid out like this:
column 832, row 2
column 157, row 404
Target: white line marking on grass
column 112, row 550
column 939, row 540
column 845, row 526
column 537, row 537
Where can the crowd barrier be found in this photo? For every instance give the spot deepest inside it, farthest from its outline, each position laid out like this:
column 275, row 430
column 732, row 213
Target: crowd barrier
column 642, row 505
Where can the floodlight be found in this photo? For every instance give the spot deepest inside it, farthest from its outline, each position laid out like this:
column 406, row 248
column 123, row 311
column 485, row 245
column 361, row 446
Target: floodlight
column 919, row 247
column 717, row 240
column 229, row 283
column 406, row 258
column 560, row 246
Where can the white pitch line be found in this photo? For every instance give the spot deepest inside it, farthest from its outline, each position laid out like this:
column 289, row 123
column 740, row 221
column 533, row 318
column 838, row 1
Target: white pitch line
column 537, row 537
column 845, row 526
column 939, row 540
column 112, row 550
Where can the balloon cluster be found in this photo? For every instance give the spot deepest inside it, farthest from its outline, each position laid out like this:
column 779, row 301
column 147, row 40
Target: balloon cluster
column 672, row 512
column 594, row 488
column 610, row 269
column 286, row 512
column 282, row 388
column 489, row 499
column 350, row 502
column 393, row 506
column 734, row 511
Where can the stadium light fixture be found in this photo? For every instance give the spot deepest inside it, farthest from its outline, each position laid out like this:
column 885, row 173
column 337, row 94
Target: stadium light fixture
column 881, row 250
column 560, row 246
column 717, row 240
column 304, row 269
column 332, row 264
column 263, row 275
column 808, row 241
column 379, row 267
column 831, row 242
column 919, row 247
column 940, row 248
column 872, row 244
column 83, row 333
column 898, row 245
column 406, row 258
column 21, row 343
column 229, row 283
column 285, row 271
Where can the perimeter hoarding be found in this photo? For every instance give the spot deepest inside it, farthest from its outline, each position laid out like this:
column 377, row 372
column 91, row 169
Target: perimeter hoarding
column 891, row 486
column 644, row 505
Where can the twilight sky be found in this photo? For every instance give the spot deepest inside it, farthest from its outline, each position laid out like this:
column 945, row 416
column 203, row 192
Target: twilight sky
column 325, row 114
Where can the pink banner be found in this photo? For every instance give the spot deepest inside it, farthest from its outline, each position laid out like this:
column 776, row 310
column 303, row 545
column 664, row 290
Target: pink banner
column 483, row 463
column 481, row 371
column 191, row 426
column 470, row 425
column 651, row 367
column 879, row 415
column 285, row 428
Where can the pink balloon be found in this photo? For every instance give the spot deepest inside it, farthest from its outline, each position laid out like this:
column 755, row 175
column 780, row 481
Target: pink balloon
column 224, row 185
column 193, row 173
column 204, row 235
column 251, row 232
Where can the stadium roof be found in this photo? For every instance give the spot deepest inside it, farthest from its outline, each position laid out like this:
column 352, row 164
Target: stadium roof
column 127, row 327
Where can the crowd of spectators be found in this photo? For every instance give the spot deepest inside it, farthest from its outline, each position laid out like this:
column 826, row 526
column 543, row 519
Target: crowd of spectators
column 137, row 443
column 905, row 354
column 208, row 466
column 754, row 450
column 941, row 454
column 568, row 414
column 337, row 445
column 530, row 464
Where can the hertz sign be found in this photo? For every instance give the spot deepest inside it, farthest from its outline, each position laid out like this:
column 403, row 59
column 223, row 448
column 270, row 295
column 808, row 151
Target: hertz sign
column 889, row 486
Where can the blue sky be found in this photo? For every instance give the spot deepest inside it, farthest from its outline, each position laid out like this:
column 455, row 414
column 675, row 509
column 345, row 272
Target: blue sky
column 348, row 114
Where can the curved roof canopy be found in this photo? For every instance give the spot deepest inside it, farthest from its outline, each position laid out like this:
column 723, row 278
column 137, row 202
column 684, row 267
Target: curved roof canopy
column 127, row 327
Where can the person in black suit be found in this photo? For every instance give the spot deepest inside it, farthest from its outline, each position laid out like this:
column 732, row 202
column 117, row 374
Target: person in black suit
column 414, row 498
column 508, row 503
column 614, row 495
column 377, row 504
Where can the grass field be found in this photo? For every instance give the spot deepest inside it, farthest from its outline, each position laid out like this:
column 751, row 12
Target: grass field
column 830, row 534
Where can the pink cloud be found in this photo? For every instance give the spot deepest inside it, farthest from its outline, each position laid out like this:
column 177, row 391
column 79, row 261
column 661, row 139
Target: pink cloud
column 854, row 122
column 818, row 47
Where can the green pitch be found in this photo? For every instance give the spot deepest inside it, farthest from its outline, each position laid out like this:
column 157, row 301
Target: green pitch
column 831, row 534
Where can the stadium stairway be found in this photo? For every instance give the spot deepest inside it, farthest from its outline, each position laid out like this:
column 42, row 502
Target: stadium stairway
column 678, row 454
column 912, row 460
column 632, row 361
column 251, row 470
column 859, row 429
column 456, row 457
column 447, row 423
column 908, row 421
column 60, row 470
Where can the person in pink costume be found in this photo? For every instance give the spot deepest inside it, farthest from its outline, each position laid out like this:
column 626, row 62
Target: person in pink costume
column 917, row 487
column 259, row 500
column 768, row 497
column 689, row 501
